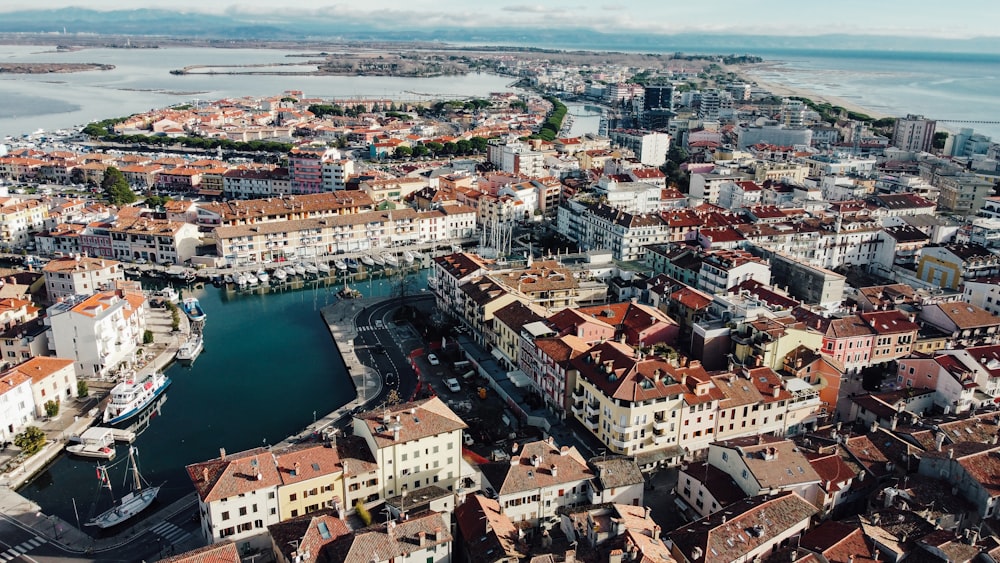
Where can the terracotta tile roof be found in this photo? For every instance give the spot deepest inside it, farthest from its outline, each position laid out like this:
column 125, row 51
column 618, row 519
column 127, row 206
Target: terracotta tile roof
column 838, row 542
column 776, row 464
column 40, row 367
column 731, row 533
column 561, row 348
column 532, row 469
column 278, row 207
column 889, row 322
column 482, row 290
column 832, row 469
column 11, row 379
column 966, row 315
column 416, row 420
column 487, row 531
column 516, row 315
column 691, row 298
column 612, row 368
column 459, row 265
column 386, row 542
column 304, row 462
column 235, row 474
column 614, row 471
column 737, row 391
column 222, row 552
column 720, row 484
column 78, row 264
column 309, row 534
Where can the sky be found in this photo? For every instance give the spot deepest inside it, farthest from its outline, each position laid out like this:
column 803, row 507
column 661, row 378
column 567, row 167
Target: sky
column 957, row 19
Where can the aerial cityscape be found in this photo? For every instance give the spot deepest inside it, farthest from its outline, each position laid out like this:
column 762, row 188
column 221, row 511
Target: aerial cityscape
column 525, row 283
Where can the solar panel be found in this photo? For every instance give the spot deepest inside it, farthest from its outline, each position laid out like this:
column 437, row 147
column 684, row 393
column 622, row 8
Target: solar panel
column 324, row 532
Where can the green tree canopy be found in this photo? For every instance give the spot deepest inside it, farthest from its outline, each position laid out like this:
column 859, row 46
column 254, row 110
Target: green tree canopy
column 31, row 440
column 403, row 151
column 115, row 187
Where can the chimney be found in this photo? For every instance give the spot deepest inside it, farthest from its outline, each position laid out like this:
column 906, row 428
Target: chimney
column 222, row 454
column 951, row 453
column 938, row 440
column 515, row 459
column 775, row 391
column 514, row 447
column 554, row 470
column 204, row 477
column 570, row 556
column 564, row 450
column 422, row 538
column 615, row 556
column 550, row 440
column 656, row 532
column 874, row 426
column 648, row 510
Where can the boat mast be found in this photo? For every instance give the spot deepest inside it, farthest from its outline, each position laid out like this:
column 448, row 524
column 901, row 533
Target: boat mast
column 102, row 474
column 135, row 469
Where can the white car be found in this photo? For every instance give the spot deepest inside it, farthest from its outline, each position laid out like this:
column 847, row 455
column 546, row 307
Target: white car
column 433, row 360
column 452, row 385
column 379, row 323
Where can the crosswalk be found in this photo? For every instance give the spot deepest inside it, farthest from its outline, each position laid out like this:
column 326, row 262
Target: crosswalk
column 368, row 328
column 22, row 548
column 171, row 533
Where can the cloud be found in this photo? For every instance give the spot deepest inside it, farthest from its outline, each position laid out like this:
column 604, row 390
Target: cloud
column 534, row 9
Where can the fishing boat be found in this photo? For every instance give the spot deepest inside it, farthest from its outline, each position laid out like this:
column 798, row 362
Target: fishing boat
column 129, row 397
column 280, row 274
column 263, row 276
column 300, row 269
column 190, row 349
column 168, row 294
column 367, row 260
column 135, row 501
column 290, row 270
column 312, row 270
column 94, row 442
column 192, row 308
column 408, row 256
column 324, row 268
column 340, row 265
column 390, row 260
column 352, row 264
column 379, row 260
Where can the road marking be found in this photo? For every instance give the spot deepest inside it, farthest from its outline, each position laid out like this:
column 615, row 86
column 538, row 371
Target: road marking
column 20, row 549
column 7, row 556
column 36, row 541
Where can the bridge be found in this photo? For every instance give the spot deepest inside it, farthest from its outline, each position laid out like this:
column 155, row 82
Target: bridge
column 969, row 121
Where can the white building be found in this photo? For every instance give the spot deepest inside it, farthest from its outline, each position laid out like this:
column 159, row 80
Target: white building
column 154, row 240
column 17, row 407
column 52, row 379
column 735, row 195
column 415, row 444
column 237, row 497
column 80, row 275
column 98, row 332
column 539, row 479
column 649, row 147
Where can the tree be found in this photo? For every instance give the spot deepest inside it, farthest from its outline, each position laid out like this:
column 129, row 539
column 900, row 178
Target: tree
column 362, row 512
column 115, row 187
column 420, row 150
column 403, row 151
column 434, row 147
column 940, row 138
column 51, row 408
column 463, row 146
column 30, row 441
column 82, row 390
column 147, row 337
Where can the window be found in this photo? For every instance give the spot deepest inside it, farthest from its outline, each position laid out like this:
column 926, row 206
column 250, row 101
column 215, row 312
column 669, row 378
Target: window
column 243, row 511
column 293, row 497
column 225, row 515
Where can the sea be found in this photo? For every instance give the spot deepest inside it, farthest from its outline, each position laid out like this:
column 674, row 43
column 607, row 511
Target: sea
column 943, row 86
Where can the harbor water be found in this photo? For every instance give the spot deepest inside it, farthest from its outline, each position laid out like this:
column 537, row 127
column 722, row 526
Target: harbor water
column 269, row 367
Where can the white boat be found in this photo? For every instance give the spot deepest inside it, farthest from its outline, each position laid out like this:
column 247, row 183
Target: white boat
column 280, row 274
column 263, row 276
column 135, row 501
column 312, row 270
column 290, row 270
column 416, row 254
column 252, row 280
column 228, row 278
column 390, row 260
column 379, row 260
column 190, row 349
column 408, row 256
column 129, row 397
column 168, row 294
column 367, row 260
column 300, row 269
column 340, row 264
column 241, row 279
column 324, row 268
column 95, row 442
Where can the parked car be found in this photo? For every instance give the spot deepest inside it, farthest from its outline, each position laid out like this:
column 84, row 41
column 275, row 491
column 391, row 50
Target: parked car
column 379, row 323
column 433, row 360
column 453, row 385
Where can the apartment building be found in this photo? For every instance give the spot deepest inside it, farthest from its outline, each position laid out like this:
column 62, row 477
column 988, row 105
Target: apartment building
column 19, row 219
column 80, row 275
column 305, row 168
column 97, row 332
column 414, row 444
column 158, row 241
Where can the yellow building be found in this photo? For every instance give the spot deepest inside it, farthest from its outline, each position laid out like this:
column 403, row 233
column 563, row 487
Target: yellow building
column 18, row 219
column 766, row 341
column 312, row 478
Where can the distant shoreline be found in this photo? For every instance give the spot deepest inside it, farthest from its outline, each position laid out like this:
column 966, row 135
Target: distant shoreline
column 751, row 73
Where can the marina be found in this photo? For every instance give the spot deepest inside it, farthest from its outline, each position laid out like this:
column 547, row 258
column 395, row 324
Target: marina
column 131, row 396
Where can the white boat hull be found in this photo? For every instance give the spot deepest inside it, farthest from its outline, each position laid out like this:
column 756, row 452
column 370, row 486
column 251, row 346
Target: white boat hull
column 92, row 450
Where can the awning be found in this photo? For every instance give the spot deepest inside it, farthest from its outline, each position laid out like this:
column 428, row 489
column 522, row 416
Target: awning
column 498, row 354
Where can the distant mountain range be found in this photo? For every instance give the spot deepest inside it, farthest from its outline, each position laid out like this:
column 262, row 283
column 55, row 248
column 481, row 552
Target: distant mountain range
column 278, row 27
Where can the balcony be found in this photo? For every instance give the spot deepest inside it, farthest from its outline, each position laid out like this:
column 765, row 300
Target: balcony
column 577, row 395
column 577, row 409
column 591, row 422
column 622, row 445
column 661, row 439
column 660, row 423
column 593, row 407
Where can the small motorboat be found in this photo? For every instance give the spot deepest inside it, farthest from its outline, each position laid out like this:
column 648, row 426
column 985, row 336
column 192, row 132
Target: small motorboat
column 289, row 269
column 324, row 268
column 252, row 280
column 192, row 308
column 228, row 278
column 311, row 270
column 352, row 264
column 300, row 269
column 340, row 264
column 408, row 256
column 379, row 260
column 280, row 274
column 390, row 260
column 241, row 279
column 263, row 276
column 367, row 260
column 190, row 349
